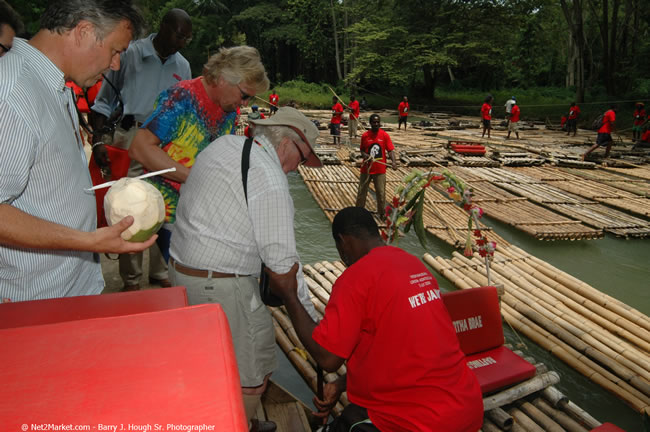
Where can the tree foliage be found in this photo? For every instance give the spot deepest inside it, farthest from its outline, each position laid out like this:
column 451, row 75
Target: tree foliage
column 419, row 45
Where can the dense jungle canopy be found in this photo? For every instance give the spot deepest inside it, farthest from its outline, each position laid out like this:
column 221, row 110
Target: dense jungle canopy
column 421, row 45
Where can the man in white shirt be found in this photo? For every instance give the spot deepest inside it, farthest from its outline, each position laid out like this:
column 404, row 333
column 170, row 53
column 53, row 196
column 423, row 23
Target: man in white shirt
column 222, row 235
column 48, row 242
column 149, row 66
column 509, row 103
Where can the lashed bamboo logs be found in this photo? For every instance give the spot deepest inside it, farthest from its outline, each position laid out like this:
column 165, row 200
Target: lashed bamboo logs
column 594, row 337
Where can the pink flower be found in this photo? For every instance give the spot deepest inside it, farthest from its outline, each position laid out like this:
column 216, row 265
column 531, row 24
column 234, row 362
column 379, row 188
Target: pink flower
column 451, row 189
column 468, row 251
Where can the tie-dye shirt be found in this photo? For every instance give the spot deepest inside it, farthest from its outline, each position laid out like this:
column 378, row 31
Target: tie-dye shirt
column 186, row 121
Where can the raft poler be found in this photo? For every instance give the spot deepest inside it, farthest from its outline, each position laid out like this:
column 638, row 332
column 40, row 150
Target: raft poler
column 400, row 376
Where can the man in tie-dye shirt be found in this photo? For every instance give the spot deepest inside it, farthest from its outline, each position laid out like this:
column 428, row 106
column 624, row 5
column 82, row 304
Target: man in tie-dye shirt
column 192, row 114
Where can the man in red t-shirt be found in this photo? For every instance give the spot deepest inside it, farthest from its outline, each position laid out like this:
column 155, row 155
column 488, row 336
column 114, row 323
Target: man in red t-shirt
column 639, row 121
column 405, row 368
column 274, row 100
column 353, row 122
column 513, row 124
column 572, row 123
column 604, row 136
column 335, row 123
column 374, row 145
column 486, row 115
column 403, row 109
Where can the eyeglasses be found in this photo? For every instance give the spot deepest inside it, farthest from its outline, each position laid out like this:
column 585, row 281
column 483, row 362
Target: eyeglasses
column 244, row 96
column 4, row 47
column 303, row 159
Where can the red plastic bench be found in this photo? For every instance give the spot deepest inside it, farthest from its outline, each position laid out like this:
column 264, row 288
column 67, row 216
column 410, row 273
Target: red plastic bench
column 48, row 311
column 477, row 319
column 173, row 367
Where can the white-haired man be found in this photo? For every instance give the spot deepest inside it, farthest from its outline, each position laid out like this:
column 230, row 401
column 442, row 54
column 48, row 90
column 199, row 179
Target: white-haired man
column 223, row 233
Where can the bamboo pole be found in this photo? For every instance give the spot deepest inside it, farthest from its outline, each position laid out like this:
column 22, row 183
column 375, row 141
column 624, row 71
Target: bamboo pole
column 500, row 418
column 520, row 390
column 558, row 416
column 537, row 415
column 524, row 421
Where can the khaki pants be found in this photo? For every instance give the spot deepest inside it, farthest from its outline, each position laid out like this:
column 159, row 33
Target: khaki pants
column 352, row 127
column 131, row 264
column 380, row 192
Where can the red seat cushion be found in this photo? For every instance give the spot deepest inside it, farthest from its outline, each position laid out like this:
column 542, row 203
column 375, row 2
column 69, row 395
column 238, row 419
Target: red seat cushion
column 498, row 368
column 172, row 367
column 48, row 311
column 608, row 427
column 476, row 317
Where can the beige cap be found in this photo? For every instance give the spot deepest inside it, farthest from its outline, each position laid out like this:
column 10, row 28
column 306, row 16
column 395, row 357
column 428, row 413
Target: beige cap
column 291, row 117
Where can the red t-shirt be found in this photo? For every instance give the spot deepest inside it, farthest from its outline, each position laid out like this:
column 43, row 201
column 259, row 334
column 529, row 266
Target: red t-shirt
column 514, row 114
column 608, row 120
column 486, row 111
column 354, row 106
column 404, row 363
column 403, row 109
column 574, row 112
column 377, row 145
column 274, row 99
column 337, row 114
column 639, row 117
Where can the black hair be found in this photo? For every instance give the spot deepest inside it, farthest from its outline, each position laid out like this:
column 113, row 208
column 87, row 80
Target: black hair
column 11, row 18
column 356, row 222
column 374, row 116
column 488, row 98
column 64, row 15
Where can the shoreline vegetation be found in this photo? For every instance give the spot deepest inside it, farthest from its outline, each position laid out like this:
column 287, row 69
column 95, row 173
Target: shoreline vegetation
column 537, row 104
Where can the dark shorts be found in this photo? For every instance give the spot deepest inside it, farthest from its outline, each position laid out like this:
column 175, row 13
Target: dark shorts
column 335, row 129
column 603, row 139
column 402, row 119
column 486, row 124
column 273, row 108
column 571, row 124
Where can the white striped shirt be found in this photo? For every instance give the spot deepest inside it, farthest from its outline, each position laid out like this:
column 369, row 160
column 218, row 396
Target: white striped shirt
column 216, row 230
column 43, row 172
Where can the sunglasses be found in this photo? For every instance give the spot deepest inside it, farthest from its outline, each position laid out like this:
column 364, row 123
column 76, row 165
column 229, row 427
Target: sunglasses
column 303, row 159
column 244, row 96
column 4, row 47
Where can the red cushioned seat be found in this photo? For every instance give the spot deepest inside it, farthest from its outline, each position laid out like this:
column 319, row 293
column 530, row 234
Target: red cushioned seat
column 477, row 319
column 608, row 427
column 173, row 367
column 48, row 311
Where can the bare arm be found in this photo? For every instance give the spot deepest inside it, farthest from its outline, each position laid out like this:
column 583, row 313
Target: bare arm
column 392, row 159
column 24, row 230
column 286, row 287
column 145, row 148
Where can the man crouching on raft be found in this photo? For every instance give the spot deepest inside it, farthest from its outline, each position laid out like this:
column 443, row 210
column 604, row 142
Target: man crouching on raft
column 405, row 369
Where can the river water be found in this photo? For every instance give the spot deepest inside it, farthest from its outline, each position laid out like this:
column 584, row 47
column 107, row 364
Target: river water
column 615, row 266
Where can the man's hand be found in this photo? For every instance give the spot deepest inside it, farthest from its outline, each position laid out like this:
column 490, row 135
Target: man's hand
column 331, row 394
column 109, row 239
column 284, row 285
column 394, row 166
column 102, row 160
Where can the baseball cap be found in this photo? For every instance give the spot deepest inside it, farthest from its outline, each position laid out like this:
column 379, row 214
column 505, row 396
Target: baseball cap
column 291, row 117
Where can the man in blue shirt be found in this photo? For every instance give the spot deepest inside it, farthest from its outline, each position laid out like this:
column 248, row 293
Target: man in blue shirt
column 149, row 66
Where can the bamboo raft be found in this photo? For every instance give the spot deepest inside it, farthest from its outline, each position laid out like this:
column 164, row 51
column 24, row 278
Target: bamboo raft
column 599, row 336
column 523, row 214
column 590, row 189
column 585, row 210
column 335, row 187
column 534, row 405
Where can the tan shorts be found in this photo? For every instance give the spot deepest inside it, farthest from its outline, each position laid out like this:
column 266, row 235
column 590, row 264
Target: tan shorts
column 513, row 127
column 250, row 321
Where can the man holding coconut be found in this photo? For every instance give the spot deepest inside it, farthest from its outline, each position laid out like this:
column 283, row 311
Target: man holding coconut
column 48, row 242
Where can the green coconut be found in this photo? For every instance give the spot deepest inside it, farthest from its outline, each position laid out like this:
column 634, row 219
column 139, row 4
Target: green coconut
column 137, row 198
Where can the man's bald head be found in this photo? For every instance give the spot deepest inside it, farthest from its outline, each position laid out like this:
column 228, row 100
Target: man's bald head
column 175, row 32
